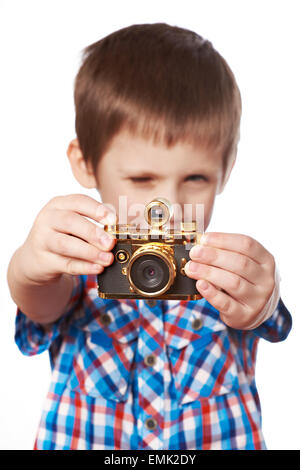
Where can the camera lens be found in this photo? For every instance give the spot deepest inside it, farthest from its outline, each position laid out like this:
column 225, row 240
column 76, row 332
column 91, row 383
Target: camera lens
column 150, row 273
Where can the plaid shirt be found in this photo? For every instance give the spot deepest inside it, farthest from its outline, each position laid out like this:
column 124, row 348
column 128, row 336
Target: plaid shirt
column 134, row 374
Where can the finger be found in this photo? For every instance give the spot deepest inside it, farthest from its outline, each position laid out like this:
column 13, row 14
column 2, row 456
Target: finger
column 231, row 311
column 231, row 261
column 237, row 242
column 237, row 287
column 66, row 221
column 84, row 205
column 76, row 266
column 72, row 247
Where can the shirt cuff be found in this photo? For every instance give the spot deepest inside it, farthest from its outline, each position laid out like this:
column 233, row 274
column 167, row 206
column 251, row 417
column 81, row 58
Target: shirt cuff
column 32, row 337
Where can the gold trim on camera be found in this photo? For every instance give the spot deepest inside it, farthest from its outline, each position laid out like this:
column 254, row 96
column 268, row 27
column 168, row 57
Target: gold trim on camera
column 138, row 242
column 162, row 251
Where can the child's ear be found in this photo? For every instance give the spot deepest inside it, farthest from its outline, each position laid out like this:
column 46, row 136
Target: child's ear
column 226, row 175
column 81, row 169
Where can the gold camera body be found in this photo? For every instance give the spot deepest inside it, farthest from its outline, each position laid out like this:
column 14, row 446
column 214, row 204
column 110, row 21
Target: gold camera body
column 149, row 263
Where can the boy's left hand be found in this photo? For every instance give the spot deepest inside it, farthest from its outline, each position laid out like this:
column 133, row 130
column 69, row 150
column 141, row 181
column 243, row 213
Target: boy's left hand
column 238, row 265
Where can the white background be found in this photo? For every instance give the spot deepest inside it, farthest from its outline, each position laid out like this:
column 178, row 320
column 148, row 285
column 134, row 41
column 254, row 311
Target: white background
column 40, row 51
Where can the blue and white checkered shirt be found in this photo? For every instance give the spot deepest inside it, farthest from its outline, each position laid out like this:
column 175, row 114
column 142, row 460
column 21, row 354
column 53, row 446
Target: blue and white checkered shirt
column 136, row 374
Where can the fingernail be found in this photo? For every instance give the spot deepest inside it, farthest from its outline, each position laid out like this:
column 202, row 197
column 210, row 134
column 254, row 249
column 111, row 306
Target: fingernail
column 96, row 268
column 110, row 218
column 192, row 267
column 100, row 211
column 196, row 251
column 106, row 239
column 203, row 285
column 105, row 215
column 104, row 256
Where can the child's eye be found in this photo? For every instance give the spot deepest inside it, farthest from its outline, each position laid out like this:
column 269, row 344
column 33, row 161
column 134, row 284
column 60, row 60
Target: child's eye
column 148, row 179
column 145, row 179
column 196, row 178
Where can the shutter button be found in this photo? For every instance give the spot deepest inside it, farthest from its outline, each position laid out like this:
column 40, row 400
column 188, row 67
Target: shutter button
column 151, row 423
column 105, row 319
column 196, row 324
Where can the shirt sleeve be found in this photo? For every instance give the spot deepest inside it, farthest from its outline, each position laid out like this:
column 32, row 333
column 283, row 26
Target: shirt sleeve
column 277, row 327
column 277, row 319
column 32, row 338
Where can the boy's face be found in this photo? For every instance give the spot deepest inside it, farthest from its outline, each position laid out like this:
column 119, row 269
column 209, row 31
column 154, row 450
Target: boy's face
column 141, row 170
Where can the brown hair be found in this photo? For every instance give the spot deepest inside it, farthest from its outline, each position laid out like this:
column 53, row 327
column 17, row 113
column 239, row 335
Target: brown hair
column 158, row 81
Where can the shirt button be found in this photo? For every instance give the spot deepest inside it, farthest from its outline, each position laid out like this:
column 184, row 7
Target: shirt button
column 151, row 423
column 105, row 319
column 150, row 360
column 196, row 324
column 151, row 302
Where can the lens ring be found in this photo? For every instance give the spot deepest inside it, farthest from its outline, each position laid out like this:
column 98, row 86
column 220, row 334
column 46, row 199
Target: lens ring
column 150, row 274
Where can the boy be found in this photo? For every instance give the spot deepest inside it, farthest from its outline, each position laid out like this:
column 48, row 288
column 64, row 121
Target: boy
column 157, row 114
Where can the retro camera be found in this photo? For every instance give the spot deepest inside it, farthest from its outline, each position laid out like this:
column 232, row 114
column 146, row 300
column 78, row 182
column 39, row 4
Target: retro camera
column 149, row 263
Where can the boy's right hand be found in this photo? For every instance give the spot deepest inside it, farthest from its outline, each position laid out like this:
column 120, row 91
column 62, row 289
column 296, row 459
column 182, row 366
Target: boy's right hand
column 62, row 240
